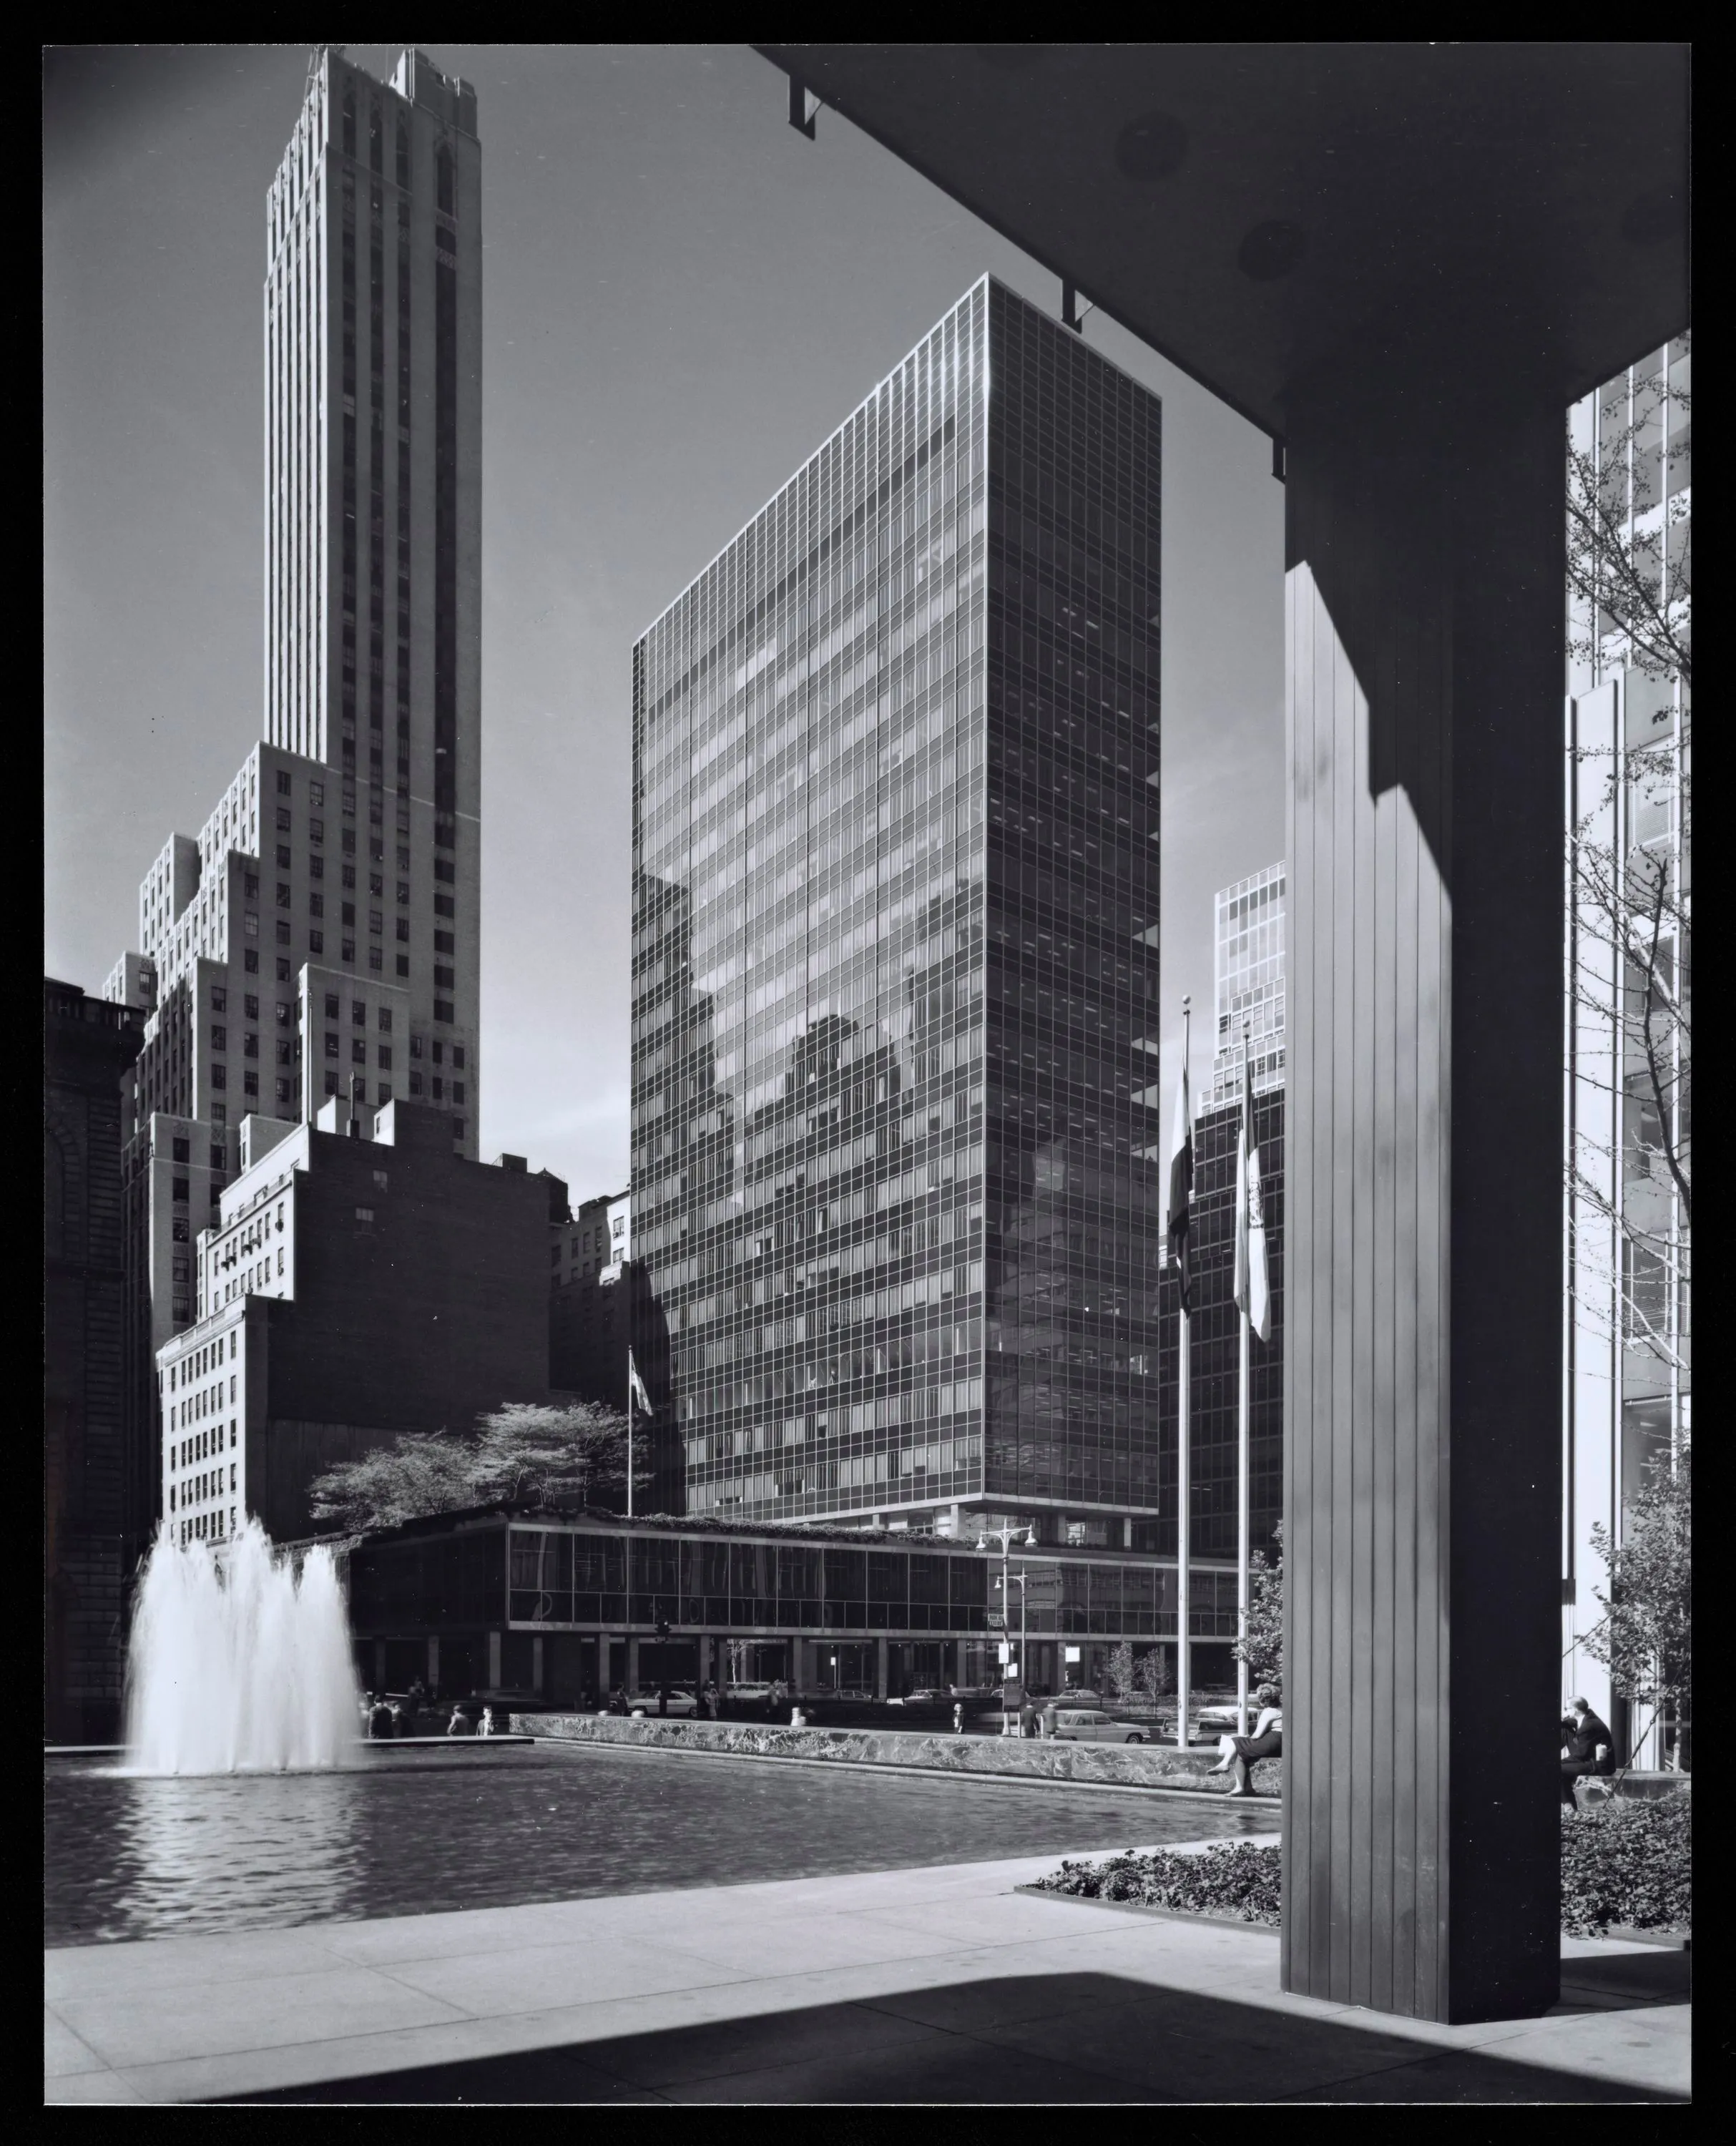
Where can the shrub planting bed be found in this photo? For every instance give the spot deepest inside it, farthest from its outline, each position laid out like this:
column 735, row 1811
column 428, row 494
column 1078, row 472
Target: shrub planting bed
column 1628, row 1865
column 1239, row 1879
column 1624, row 1866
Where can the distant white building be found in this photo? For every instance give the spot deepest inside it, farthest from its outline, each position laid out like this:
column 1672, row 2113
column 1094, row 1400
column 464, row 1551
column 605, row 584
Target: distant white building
column 1247, row 965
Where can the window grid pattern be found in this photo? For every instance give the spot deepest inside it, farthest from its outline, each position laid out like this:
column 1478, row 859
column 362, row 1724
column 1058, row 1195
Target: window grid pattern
column 896, row 887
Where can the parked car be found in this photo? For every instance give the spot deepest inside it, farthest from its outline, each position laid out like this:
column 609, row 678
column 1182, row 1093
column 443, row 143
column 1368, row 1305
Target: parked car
column 1220, row 1720
column 1087, row 1724
column 924, row 1702
column 682, row 1703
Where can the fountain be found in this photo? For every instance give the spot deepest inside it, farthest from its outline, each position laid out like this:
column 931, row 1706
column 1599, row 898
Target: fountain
column 238, row 1663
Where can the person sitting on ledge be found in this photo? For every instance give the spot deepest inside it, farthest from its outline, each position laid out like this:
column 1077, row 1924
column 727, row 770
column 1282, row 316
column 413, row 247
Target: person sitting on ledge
column 379, row 1721
column 486, row 1726
column 460, row 1724
column 1588, row 1748
column 1240, row 1753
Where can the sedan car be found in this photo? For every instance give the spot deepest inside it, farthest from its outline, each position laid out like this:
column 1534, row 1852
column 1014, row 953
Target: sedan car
column 924, row 1702
column 1087, row 1724
column 682, row 1703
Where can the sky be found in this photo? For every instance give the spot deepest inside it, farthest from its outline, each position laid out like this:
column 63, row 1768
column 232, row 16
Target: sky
column 682, row 298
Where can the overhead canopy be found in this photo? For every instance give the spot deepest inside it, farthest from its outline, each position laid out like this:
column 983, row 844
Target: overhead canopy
column 1256, row 211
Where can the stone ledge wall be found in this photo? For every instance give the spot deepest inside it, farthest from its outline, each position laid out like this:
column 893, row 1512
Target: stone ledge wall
column 1115, row 1765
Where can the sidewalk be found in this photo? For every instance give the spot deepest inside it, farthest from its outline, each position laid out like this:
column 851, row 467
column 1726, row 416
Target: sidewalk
column 935, row 1986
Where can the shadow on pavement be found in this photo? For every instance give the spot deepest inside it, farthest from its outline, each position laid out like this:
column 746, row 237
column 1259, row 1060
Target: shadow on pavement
column 1050, row 2039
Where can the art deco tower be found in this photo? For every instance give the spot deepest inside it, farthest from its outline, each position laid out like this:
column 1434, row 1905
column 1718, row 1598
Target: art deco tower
column 312, row 953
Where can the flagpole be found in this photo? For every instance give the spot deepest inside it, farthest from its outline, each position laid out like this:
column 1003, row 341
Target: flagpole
column 1184, row 1469
column 630, row 1369
column 1245, row 1135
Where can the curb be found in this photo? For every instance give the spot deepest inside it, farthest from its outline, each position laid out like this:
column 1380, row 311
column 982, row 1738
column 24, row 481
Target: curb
column 1162, row 1914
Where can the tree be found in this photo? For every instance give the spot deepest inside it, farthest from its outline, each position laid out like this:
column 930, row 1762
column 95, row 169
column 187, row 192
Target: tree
column 1261, row 1646
column 1630, row 583
column 1156, row 1675
column 1630, row 608
column 1122, row 1675
column 523, row 1450
column 577, row 1451
column 1646, row 1634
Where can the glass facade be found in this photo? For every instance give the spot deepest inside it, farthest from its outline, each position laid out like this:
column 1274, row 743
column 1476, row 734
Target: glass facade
column 894, row 1183
column 587, row 1576
column 1248, row 960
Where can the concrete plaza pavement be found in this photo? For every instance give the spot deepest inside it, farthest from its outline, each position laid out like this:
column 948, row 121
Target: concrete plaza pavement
column 940, row 1985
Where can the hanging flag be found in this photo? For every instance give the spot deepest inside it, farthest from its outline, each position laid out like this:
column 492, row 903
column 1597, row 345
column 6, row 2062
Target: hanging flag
column 1181, row 1189
column 636, row 1385
column 1252, row 1296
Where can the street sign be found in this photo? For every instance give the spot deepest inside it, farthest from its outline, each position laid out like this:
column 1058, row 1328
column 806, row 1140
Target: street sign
column 997, row 1621
column 1004, row 1652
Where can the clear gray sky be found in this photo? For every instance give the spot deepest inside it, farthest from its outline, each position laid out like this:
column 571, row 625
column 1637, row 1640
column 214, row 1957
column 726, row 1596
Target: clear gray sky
column 683, row 297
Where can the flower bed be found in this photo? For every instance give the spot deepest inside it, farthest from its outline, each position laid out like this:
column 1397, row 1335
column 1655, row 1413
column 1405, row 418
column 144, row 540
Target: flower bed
column 1240, row 1878
column 1624, row 1866
column 1628, row 1863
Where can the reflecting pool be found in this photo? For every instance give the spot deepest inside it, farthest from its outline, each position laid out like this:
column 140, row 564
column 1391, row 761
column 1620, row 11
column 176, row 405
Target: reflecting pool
column 418, row 1832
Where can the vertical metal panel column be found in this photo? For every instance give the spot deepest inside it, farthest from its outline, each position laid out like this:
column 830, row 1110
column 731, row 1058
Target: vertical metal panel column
column 1425, row 613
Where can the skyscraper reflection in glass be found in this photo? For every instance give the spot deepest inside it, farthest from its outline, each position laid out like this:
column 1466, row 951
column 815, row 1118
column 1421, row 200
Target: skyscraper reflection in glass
column 895, row 1151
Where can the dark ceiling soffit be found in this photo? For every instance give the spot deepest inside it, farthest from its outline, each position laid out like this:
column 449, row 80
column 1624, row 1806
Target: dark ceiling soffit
column 786, row 59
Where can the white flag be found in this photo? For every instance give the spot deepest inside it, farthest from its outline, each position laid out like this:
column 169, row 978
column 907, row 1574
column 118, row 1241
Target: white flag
column 636, row 1385
column 1252, row 1295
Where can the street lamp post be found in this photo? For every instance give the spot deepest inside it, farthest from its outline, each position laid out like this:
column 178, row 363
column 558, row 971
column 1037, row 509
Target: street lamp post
column 1006, row 1536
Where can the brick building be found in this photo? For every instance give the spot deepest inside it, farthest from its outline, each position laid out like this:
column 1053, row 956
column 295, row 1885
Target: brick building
column 363, row 1279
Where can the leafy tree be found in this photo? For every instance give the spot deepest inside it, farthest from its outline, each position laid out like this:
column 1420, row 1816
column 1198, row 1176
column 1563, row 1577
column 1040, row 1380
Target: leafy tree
column 1156, row 1675
column 524, row 1450
column 1122, row 1674
column 1261, row 1646
column 1646, row 1634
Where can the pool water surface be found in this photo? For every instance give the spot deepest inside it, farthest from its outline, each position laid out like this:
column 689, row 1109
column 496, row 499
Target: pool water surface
column 422, row 1832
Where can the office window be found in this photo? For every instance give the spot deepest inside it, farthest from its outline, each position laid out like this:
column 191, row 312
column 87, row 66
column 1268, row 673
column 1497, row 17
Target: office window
column 316, row 868
column 219, row 999
column 416, row 1082
column 331, row 1081
column 283, row 972
column 330, row 1045
column 416, row 1046
column 249, row 1044
column 445, row 870
column 445, row 942
column 316, row 793
column 316, row 905
column 285, row 1013
column 250, row 956
column 458, row 1056
column 250, row 886
column 282, row 782
column 316, row 832
column 358, row 1051
column 347, row 951
column 179, row 1151
column 444, row 906
column 458, row 1128
column 443, row 1010
column 219, row 1037
column 436, row 1088
column 402, row 929
column 403, row 964
column 250, row 1084
column 333, row 1006
column 383, row 1093
column 358, row 1013
column 457, row 1092
column 283, row 820
column 376, row 958
column 364, row 1215
column 375, row 921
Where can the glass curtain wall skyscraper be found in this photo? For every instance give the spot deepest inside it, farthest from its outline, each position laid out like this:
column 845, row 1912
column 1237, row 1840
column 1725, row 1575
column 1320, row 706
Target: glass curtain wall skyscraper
column 895, row 1163
column 1248, row 962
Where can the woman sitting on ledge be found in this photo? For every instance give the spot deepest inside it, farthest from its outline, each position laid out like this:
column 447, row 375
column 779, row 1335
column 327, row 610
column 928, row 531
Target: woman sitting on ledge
column 1238, row 1753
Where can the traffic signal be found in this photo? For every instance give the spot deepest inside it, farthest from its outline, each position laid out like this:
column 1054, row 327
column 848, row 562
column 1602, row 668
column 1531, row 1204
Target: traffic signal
column 662, row 1628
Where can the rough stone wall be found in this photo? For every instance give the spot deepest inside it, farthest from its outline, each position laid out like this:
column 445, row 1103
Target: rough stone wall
column 1136, row 1765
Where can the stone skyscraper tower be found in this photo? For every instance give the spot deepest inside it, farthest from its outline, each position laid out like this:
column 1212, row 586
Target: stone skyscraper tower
column 312, row 953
